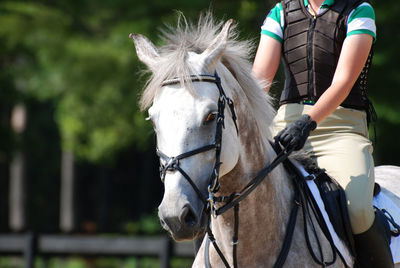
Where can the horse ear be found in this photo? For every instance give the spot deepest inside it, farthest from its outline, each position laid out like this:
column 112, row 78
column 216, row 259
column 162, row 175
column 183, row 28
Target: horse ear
column 145, row 50
column 214, row 51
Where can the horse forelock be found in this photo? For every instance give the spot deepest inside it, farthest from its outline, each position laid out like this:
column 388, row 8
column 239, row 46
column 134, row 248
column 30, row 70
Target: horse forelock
column 188, row 37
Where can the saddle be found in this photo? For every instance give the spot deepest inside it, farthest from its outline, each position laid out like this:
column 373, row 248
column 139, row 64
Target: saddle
column 334, row 199
column 334, row 202
column 323, row 198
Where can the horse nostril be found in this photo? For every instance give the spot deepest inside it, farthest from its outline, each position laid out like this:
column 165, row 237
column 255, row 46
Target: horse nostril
column 188, row 217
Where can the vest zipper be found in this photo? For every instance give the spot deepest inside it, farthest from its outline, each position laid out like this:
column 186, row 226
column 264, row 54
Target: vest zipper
column 310, row 43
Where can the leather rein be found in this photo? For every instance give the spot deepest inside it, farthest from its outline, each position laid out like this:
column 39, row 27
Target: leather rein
column 233, row 200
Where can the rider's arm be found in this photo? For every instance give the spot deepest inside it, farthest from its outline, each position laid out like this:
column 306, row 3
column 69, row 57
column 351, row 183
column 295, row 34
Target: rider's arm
column 267, row 59
column 352, row 58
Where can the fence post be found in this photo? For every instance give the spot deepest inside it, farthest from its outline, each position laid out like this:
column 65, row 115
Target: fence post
column 67, row 191
column 29, row 250
column 166, row 253
column 17, row 187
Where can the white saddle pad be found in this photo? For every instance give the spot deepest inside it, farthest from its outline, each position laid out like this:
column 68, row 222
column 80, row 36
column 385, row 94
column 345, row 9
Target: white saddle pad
column 383, row 201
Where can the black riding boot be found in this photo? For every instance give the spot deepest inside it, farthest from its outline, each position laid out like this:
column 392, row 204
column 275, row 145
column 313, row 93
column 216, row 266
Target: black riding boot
column 373, row 246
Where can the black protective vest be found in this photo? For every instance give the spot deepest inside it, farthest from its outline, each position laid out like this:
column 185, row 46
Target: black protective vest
column 311, row 50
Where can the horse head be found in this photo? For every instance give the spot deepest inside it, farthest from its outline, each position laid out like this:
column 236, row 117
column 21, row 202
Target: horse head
column 185, row 112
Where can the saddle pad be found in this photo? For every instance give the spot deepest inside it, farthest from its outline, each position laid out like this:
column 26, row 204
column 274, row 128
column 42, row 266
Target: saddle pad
column 339, row 244
column 383, row 201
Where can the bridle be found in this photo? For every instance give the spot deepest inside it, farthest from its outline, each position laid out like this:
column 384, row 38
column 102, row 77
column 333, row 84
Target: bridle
column 172, row 163
column 233, row 200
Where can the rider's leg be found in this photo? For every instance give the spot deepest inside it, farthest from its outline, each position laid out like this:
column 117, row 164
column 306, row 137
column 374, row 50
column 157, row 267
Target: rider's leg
column 372, row 248
column 371, row 244
column 347, row 158
column 340, row 144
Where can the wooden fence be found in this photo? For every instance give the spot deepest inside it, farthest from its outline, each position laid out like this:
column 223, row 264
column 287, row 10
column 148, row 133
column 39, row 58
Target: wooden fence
column 30, row 245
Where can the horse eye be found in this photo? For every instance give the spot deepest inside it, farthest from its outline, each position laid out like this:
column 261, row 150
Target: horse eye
column 210, row 117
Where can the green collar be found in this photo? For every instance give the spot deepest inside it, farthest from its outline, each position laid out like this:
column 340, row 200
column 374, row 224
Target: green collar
column 326, row 3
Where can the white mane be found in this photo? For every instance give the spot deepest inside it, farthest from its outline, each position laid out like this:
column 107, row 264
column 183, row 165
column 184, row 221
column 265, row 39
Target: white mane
column 187, row 37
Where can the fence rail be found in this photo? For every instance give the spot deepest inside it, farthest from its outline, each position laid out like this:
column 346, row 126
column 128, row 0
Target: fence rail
column 29, row 245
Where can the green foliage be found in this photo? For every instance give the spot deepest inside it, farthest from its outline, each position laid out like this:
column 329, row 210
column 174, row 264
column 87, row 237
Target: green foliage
column 385, row 81
column 100, row 262
column 181, row 263
column 77, row 54
column 88, row 70
column 146, row 225
column 11, row 262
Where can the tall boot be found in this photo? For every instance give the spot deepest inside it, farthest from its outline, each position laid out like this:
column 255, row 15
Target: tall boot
column 373, row 246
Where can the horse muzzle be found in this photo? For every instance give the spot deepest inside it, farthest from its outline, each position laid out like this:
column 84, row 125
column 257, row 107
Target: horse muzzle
column 183, row 224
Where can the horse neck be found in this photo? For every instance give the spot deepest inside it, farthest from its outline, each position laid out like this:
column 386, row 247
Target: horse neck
column 265, row 211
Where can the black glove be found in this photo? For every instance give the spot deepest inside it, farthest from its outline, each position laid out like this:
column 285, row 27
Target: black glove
column 294, row 135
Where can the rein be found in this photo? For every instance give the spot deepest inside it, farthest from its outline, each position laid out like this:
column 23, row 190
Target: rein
column 233, row 200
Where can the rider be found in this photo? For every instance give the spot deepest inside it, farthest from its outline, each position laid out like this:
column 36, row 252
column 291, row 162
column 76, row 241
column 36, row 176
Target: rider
column 326, row 49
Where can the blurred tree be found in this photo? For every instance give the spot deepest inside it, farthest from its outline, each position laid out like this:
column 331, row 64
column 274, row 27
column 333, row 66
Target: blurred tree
column 385, row 82
column 77, row 54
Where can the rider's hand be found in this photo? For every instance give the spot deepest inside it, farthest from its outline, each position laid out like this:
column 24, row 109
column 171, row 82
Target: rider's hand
column 294, row 135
